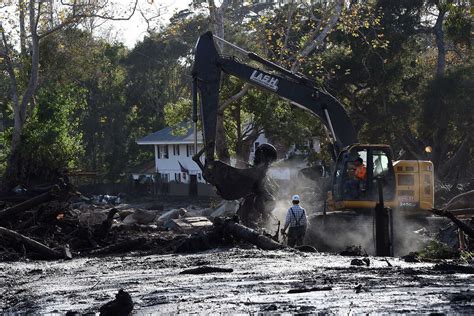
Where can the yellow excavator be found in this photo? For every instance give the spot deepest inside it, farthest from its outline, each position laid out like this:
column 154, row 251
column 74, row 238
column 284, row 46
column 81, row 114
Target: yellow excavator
column 403, row 184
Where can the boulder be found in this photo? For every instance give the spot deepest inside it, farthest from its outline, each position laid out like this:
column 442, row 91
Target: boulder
column 172, row 214
column 226, row 209
column 92, row 218
column 142, row 217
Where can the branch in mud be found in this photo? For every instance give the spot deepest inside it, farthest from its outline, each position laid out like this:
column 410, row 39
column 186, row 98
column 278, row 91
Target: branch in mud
column 56, row 191
column 43, row 250
column 465, row 228
column 225, row 232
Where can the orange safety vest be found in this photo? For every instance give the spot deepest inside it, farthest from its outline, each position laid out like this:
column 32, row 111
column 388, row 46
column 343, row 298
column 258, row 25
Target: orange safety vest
column 361, row 172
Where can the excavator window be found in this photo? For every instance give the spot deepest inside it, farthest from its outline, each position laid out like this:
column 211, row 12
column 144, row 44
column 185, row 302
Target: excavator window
column 380, row 163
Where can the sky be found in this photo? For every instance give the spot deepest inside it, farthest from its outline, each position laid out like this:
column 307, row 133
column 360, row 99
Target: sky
column 133, row 30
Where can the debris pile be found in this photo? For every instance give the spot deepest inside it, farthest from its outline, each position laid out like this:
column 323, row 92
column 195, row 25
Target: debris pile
column 61, row 223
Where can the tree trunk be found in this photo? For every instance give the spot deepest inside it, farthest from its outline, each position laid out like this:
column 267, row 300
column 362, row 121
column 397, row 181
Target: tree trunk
column 439, row 37
column 13, row 173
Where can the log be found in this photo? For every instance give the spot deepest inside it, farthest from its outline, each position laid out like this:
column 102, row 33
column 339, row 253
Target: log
column 461, row 201
column 205, row 270
column 464, row 227
column 313, row 289
column 249, row 235
column 123, row 246
column 35, row 201
column 43, row 250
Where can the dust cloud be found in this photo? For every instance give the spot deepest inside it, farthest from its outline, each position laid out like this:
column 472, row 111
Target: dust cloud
column 336, row 232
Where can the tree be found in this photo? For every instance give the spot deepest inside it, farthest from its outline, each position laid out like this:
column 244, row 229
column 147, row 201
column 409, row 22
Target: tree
column 33, row 21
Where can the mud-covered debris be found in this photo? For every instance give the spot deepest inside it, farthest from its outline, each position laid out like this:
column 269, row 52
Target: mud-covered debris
column 454, row 268
column 412, row 257
column 226, row 209
column 122, row 305
column 42, row 250
column 206, row 269
column 313, row 289
column 359, row 288
column 388, row 262
column 353, row 251
column 269, row 308
column 462, row 296
column 141, row 217
column 360, row 262
column 306, row 248
column 172, row 214
column 188, row 224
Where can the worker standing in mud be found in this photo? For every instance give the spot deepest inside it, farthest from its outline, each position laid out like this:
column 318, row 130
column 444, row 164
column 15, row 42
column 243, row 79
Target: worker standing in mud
column 297, row 222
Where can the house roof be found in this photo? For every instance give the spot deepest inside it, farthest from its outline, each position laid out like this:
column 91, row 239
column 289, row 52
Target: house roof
column 167, row 136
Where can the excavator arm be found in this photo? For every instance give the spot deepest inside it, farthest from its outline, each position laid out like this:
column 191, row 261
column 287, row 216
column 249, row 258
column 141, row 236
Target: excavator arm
column 300, row 91
column 234, row 183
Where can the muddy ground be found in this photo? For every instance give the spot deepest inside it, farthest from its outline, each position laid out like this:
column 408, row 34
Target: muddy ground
column 259, row 284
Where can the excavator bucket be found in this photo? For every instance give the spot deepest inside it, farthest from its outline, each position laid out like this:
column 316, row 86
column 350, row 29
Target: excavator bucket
column 233, row 183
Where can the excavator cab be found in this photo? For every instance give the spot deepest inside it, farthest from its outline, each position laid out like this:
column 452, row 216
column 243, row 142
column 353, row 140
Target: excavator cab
column 357, row 170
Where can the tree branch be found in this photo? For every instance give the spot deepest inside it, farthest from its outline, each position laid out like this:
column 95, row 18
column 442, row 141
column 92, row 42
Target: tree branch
column 317, row 40
column 235, row 97
column 75, row 18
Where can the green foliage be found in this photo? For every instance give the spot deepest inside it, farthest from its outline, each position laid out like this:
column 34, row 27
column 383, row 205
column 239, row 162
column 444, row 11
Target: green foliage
column 437, row 250
column 458, row 24
column 178, row 115
column 52, row 139
column 97, row 98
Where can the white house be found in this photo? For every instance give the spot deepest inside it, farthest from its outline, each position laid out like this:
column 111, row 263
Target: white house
column 173, row 155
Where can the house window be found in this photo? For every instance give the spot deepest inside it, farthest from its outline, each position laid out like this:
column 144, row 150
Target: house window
column 158, row 154
column 256, row 145
column 184, row 176
column 199, row 176
column 177, row 177
column 176, row 150
column 165, row 152
column 189, row 150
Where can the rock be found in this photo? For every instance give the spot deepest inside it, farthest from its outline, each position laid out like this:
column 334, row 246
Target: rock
column 92, row 218
column 172, row 214
column 226, row 209
column 144, row 217
column 357, row 262
column 141, row 217
column 352, row 251
column 200, row 212
column 122, row 305
column 125, row 212
column 412, row 257
column 129, row 220
column 188, row 224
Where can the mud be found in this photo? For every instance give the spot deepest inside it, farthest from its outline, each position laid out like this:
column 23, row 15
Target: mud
column 261, row 282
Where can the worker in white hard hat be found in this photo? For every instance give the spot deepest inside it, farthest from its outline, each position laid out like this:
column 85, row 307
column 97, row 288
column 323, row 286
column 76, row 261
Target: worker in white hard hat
column 297, row 221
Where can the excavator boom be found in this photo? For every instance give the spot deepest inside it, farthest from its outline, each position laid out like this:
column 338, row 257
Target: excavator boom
column 207, row 71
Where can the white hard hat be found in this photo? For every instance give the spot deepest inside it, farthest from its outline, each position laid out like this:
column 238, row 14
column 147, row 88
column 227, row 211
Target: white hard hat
column 295, row 197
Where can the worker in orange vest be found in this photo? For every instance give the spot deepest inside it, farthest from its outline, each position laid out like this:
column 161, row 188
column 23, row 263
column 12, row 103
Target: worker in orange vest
column 360, row 169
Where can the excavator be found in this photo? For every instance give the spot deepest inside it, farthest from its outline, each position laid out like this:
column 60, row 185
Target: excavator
column 403, row 184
